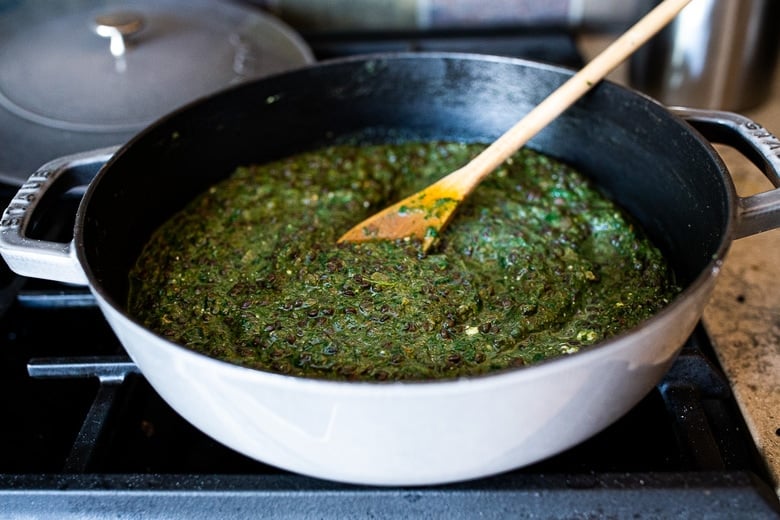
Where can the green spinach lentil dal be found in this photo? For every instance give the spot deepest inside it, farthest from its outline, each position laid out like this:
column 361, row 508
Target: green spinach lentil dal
column 535, row 264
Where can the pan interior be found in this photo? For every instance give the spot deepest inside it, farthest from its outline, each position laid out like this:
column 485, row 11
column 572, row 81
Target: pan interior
column 644, row 158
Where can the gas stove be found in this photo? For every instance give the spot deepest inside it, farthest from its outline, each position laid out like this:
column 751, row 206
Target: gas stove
column 86, row 436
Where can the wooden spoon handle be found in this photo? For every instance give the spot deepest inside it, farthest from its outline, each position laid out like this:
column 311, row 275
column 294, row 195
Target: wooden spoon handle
column 564, row 96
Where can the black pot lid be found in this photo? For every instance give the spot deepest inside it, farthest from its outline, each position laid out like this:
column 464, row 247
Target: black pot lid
column 74, row 78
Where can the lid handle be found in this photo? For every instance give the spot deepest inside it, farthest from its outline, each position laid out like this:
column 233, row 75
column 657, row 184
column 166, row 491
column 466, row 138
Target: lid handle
column 116, row 27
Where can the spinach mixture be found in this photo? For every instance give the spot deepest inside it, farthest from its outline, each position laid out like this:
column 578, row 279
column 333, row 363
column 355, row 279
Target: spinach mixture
column 535, row 264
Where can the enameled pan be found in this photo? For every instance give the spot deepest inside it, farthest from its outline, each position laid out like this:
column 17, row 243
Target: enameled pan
column 653, row 161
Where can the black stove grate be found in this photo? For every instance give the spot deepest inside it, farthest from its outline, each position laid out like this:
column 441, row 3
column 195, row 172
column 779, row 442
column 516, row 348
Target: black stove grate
column 84, row 435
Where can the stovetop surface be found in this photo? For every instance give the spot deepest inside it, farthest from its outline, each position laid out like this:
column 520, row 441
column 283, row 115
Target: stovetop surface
column 84, row 435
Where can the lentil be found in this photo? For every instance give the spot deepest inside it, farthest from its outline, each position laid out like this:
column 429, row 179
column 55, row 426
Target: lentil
column 535, row 264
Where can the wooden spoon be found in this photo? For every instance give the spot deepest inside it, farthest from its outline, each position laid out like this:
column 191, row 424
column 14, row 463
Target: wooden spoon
column 424, row 214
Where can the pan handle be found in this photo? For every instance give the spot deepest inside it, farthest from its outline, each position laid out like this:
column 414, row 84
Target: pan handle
column 41, row 258
column 760, row 212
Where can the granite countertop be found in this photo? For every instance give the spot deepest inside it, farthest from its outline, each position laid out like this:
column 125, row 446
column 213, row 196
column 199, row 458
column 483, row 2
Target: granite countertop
column 743, row 314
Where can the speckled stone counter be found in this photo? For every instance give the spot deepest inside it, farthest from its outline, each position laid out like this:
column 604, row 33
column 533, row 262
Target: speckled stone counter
column 743, row 316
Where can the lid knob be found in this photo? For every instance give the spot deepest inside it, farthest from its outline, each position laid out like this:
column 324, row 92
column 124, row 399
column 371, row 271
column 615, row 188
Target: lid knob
column 117, row 26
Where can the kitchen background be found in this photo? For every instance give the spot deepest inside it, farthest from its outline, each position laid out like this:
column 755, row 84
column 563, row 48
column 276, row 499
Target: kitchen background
column 47, row 44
